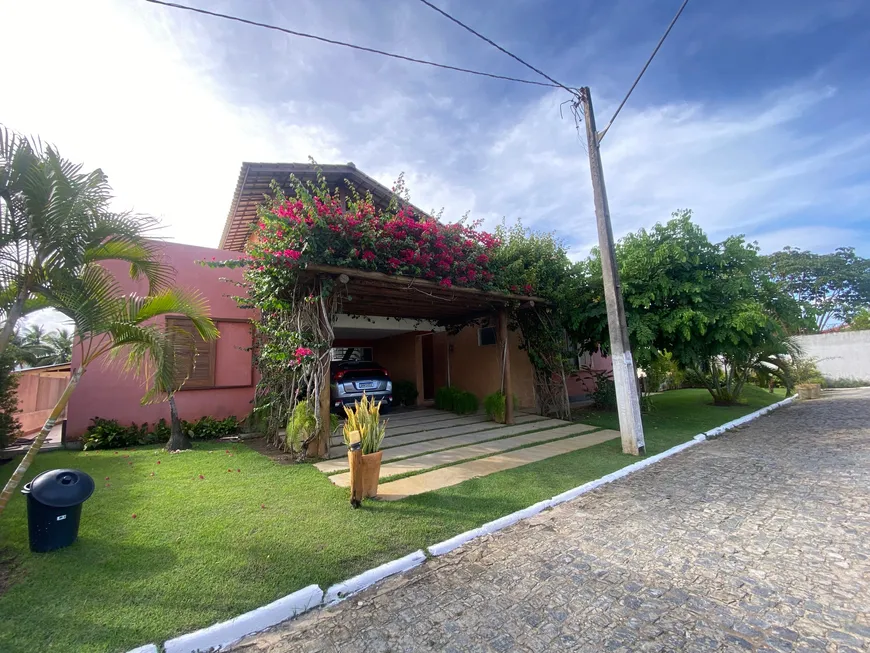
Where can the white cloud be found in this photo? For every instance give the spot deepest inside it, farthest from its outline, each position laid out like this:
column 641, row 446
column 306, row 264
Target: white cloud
column 124, row 88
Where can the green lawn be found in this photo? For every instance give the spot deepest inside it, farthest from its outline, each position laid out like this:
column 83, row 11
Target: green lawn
column 201, row 550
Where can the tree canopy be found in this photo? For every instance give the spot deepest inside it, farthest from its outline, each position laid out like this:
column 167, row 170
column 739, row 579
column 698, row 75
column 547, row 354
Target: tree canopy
column 830, row 287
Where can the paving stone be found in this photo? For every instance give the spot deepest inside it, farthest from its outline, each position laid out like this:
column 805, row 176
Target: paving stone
column 422, row 463
column 447, row 476
column 427, row 446
column 796, row 486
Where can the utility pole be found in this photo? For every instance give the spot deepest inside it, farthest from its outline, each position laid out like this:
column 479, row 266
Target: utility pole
column 624, row 373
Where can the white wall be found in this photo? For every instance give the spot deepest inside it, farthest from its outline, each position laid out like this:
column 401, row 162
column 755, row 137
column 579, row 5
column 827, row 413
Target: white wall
column 843, row 355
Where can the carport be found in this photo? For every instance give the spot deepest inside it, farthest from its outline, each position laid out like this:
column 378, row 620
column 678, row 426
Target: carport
column 371, row 301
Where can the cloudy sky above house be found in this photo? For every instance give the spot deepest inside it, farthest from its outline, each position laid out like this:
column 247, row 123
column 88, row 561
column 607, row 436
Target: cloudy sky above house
column 754, row 114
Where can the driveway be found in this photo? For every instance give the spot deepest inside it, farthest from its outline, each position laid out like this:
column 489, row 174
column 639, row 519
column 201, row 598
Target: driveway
column 759, row 540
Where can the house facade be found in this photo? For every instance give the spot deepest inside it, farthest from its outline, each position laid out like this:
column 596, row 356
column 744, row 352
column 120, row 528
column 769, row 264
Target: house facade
column 402, row 332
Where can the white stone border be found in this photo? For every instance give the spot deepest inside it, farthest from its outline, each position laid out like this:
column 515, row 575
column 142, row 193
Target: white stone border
column 148, row 648
column 342, row 590
column 225, row 633
column 458, row 540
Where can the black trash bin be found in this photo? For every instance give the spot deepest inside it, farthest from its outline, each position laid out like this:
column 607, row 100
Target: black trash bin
column 54, row 507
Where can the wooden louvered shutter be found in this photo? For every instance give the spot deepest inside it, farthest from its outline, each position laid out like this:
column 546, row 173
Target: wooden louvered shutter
column 202, row 368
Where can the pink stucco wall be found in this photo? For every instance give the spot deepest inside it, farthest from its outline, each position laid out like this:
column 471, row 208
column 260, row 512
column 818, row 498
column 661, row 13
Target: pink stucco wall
column 582, row 382
column 105, row 391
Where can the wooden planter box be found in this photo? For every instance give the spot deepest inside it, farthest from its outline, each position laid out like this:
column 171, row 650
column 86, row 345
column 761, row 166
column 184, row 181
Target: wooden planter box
column 809, row 390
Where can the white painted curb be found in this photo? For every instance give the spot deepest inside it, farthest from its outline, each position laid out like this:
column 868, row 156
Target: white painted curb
column 147, row 648
column 455, row 542
column 342, row 590
column 503, row 522
column 223, row 634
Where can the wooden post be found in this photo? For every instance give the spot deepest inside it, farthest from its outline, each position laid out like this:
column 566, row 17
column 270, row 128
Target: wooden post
column 508, row 381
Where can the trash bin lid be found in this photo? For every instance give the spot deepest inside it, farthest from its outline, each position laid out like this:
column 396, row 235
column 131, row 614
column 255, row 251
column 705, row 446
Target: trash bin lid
column 62, row 488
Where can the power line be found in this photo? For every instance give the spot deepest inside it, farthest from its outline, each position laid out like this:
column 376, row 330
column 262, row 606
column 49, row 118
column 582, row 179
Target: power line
column 643, row 70
column 497, row 46
column 323, row 39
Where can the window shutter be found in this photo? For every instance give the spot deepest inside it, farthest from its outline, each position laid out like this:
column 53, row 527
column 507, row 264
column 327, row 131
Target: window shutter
column 200, row 371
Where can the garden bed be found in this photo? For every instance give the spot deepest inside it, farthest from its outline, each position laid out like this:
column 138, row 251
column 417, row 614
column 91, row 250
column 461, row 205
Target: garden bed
column 201, row 550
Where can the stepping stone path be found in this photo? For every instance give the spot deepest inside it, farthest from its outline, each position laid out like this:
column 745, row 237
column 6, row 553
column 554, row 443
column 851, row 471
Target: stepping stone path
column 439, row 449
column 429, row 432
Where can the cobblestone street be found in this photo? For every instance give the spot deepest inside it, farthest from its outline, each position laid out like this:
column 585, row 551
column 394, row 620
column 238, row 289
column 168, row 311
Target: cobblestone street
column 758, row 540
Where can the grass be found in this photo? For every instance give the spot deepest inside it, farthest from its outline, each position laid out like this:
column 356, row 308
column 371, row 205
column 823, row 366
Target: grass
column 204, row 550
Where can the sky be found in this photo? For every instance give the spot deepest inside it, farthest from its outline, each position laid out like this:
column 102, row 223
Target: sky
column 753, row 114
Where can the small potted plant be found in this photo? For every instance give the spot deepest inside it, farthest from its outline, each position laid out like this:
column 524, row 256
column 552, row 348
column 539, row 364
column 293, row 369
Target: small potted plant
column 364, row 422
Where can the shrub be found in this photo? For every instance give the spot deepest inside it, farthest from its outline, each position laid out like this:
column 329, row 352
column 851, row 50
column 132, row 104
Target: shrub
column 405, row 393
column 494, row 405
column 10, row 427
column 301, row 425
column 444, row 398
column 365, row 418
column 456, row 400
column 604, row 394
column 844, row 383
column 110, row 434
column 209, row 428
column 465, row 403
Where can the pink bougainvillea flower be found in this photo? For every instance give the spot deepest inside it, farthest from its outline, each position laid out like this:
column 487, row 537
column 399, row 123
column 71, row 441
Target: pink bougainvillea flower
column 107, row 478
column 201, row 477
column 368, row 255
column 228, row 450
column 134, row 515
column 108, row 484
column 158, row 462
column 263, row 506
column 238, row 470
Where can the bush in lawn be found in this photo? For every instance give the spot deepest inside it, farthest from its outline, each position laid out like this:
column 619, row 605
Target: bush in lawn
column 494, row 405
column 10, row 427
column 405, row 393
column 365, row 419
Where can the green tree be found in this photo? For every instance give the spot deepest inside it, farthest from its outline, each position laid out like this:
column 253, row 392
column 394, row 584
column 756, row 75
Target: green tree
column 110, row 323
column 830, row 287
column 705, row 303
column 54, row 221
column 860, row 320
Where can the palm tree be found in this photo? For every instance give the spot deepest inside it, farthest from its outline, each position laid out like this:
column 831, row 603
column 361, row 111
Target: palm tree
column 109, row 323
column 60, row 341
column 55, row 221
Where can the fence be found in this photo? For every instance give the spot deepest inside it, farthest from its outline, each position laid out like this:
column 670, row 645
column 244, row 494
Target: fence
column 38, row 392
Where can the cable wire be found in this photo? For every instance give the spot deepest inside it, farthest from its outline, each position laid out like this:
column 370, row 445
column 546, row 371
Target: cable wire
column 323, row 39
column 643, row 70
column 497, row 46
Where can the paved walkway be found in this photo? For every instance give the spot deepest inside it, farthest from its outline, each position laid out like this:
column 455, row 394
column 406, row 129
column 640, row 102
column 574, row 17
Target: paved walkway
column 759, row 540
column 434, row 449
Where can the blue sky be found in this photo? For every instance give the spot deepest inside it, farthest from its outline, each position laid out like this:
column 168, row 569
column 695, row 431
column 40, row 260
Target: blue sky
column 753, row 114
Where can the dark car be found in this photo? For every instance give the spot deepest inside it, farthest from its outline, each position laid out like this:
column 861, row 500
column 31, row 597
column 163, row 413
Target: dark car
column 350, row 379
